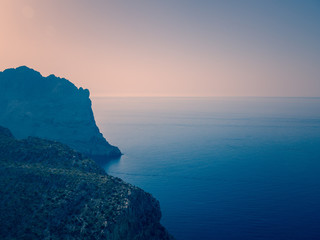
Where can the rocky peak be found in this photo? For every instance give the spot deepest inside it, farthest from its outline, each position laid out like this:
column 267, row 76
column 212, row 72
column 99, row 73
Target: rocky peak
column 51, row 108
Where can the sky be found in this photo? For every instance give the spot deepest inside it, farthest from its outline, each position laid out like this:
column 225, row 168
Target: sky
column 168, row 48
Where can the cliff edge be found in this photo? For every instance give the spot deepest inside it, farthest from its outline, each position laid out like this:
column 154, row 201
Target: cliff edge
column 49, row 191
column 52, row 108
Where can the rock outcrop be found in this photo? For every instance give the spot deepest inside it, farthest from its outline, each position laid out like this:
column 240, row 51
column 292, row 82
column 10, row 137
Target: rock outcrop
column 52, row 108
column 49, row 191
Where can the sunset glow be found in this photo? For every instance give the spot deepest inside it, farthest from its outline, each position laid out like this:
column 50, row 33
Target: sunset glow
column 165, row 48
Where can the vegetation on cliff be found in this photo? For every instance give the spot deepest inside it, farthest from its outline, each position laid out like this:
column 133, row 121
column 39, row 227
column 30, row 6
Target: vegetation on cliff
column 49, row 191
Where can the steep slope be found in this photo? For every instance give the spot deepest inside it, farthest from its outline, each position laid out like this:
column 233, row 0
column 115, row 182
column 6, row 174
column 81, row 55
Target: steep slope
column 51, row 108
column 49, row 191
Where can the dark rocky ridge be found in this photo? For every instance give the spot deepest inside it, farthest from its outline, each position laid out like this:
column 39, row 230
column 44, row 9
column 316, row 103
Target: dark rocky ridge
column 49, row 191
column 52, row 108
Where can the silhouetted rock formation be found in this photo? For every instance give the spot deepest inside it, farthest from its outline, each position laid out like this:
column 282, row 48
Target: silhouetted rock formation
column 49, row 191
column 51, row 108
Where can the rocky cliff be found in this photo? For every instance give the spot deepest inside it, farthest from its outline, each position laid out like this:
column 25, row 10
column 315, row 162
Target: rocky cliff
column 51, row 108
column 49, row 191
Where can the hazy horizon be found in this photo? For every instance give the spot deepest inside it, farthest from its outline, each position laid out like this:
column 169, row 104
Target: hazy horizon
column 165, row 48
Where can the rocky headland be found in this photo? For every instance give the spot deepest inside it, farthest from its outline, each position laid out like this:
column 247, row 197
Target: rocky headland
column 49, row 191
column 51, row 108
column 53, row 190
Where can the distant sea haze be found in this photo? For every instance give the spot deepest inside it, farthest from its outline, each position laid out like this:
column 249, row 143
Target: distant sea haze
column 222, row 168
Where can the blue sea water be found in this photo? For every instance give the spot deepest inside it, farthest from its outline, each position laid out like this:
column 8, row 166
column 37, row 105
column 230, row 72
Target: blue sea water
column 222, row 168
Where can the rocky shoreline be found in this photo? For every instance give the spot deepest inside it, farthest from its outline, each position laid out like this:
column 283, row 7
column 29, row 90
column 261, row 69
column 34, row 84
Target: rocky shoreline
column 49, row 186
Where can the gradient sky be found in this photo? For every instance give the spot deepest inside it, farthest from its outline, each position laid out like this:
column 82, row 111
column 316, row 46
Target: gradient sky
column 168, row 48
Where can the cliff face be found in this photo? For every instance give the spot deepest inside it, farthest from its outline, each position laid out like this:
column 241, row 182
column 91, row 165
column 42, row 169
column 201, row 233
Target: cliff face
column 51, row 108
column 49, row 191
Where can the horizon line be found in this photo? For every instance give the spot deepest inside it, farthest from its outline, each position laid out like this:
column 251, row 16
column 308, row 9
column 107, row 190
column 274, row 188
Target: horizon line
column 194, row 96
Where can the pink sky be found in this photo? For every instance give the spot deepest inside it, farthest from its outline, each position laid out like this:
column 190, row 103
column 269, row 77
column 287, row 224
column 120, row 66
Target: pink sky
column 166, row 48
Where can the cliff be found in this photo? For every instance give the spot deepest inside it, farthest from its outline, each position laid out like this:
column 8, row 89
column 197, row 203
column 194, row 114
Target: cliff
column 49, row 191
column 52, row 108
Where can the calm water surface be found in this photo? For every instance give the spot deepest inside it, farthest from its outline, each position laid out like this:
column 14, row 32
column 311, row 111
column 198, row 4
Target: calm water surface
column 222, row 168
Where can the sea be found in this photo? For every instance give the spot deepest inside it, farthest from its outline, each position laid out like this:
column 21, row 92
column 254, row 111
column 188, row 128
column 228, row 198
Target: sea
column 221, row 167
